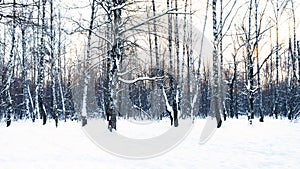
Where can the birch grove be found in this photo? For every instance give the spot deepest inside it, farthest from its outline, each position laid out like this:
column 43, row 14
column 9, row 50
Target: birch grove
column 124, row 59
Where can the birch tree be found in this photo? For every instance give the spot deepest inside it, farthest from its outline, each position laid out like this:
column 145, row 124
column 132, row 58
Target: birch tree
column 59, row 72
column 223, row 109
column 275, row 111
column 232, row 83
column 172, row 84
column 87, row 65
column 190, row 64
column 215, row 88
column 278, row 8
column 36, row 64
column 155, row 34
column 294, row 44
column 261, row 111
column 53, row 64
column 42, row 53
column 178, row 87
column 9, row 111
column 184, row 43
column 26, row 89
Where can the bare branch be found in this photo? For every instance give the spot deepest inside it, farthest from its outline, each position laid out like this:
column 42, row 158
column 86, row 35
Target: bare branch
column 146, row 21
column 126, row 72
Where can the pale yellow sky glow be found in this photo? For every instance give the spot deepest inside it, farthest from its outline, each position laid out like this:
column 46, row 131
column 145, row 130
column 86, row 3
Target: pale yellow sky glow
column 198, row 19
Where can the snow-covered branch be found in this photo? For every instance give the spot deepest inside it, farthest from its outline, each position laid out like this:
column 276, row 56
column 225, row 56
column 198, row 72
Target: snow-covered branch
column 121, row 6
column 139, row 79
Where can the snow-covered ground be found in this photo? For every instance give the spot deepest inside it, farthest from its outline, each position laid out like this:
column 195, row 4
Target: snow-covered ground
column 272, row 144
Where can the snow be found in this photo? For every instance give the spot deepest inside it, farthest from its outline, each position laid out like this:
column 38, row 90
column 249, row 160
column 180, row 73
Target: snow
column 272, row 144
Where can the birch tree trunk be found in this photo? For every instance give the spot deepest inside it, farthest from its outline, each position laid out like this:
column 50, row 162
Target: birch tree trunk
column 87, row 65
column 215, row 88
column 114, row 60
column 190, row 64
column 150, row 42
column 298, row 49
column 36, row 66
column 294, row 89
column 155, row 35
column 222, row 94
column 172, row 83
column 107, row 94
column 261, row 110
column 53, row 65
column 271, row 81
column 289, row 83
column 275, row 108
column 7, row 83
column 25, row 73
column 232, row 85
column 295, row 45
column 250, row 66
column 198, row 75
column 41, row 66
column 170, row 44
column 178, row 87
column 183, row 56
column 58, row 72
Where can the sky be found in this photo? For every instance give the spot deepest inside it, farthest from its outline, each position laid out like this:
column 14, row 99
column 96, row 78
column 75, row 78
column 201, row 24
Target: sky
column 198, row 20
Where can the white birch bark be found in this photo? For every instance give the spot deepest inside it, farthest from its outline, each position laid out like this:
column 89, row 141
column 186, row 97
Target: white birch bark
column 25, row 73
column 261, row 110
column 42, row 54
column 58, row 72
column 184, row 43
column 9, row 111
column 250, row 66
column 275, row 108
column 53, row 65
column 215, row 88
column 222, row 93
column 155, row 35
column 87, row 65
